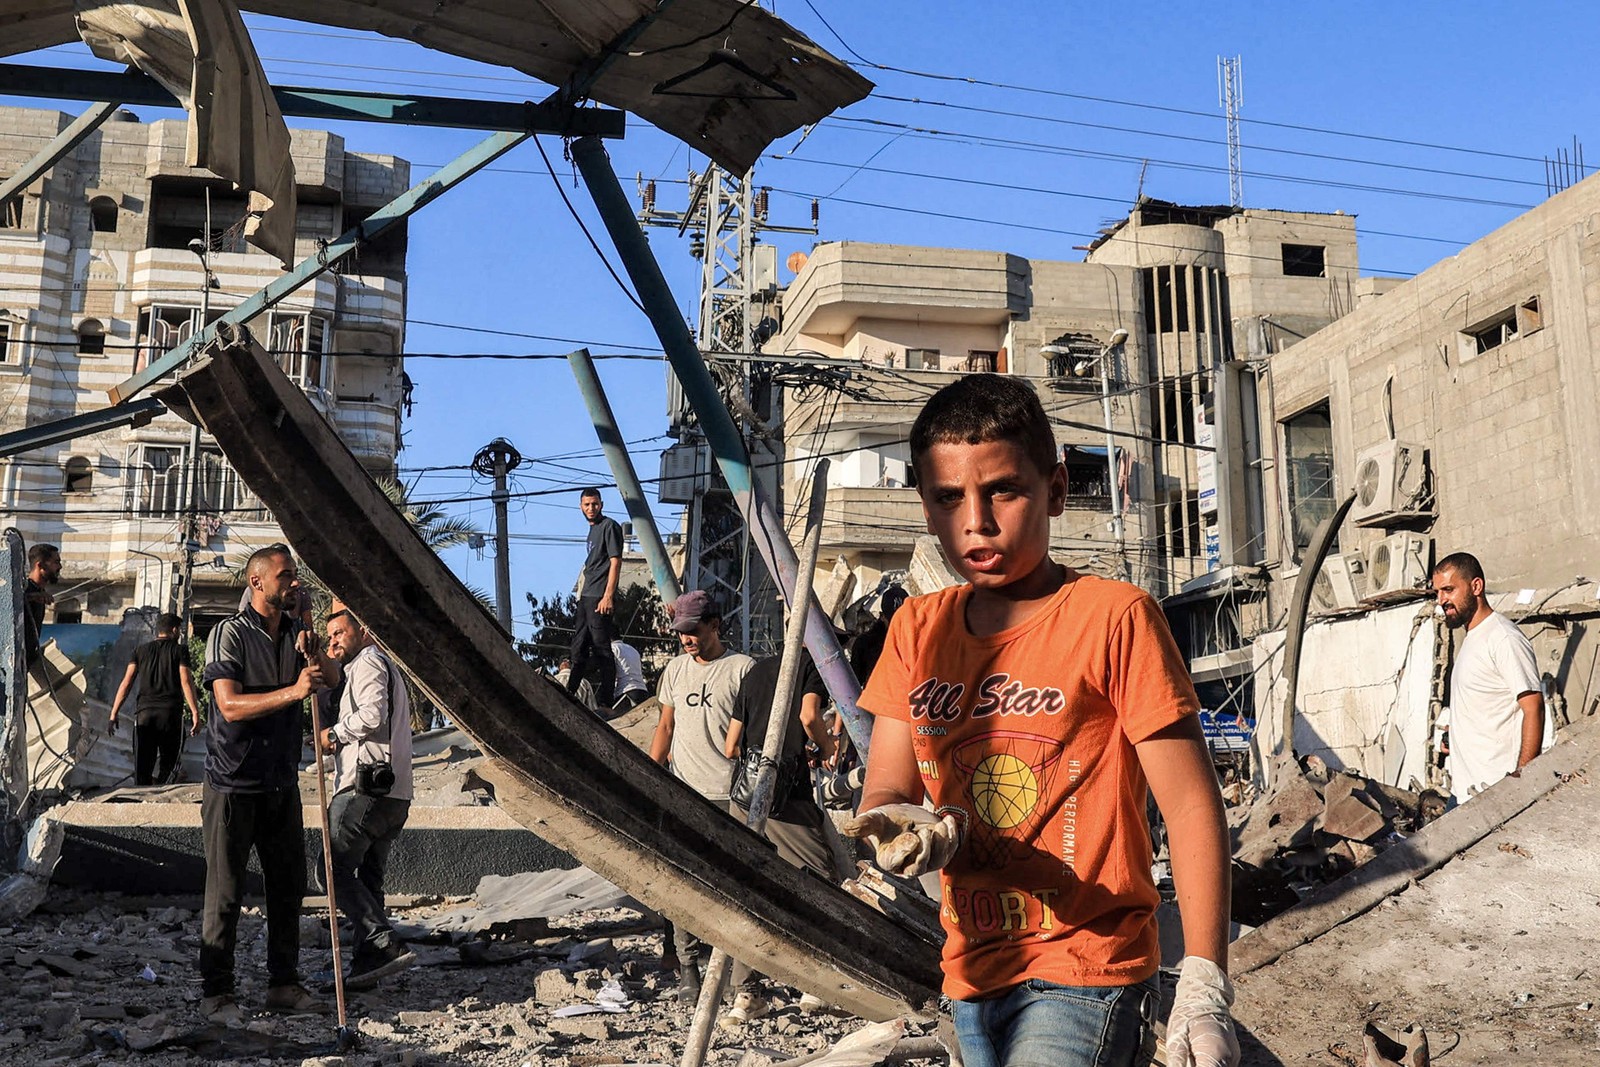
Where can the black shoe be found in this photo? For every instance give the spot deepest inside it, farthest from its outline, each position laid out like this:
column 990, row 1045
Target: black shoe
column 367, row 969
column 689, row 982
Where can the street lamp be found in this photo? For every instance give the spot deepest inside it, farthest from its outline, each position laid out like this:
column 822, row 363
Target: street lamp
column 190, row 533
column 1106, row 359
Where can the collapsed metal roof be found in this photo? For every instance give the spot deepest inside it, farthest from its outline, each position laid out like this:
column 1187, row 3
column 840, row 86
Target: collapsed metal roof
column 725, row 76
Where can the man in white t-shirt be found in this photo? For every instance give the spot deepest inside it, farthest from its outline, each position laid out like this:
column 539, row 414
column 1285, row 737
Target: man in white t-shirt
column 697, row 693
column 1498, row 719
column 630, row 687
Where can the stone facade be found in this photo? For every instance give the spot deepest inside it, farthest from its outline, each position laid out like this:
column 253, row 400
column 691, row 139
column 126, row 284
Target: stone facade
column 96, row 278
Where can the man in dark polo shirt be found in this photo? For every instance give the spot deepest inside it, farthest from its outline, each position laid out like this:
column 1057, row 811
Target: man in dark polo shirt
column 261, row 664
column 592, row 629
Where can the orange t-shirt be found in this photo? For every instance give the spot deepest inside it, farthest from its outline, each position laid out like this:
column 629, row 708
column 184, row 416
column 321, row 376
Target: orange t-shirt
column 1027, row 735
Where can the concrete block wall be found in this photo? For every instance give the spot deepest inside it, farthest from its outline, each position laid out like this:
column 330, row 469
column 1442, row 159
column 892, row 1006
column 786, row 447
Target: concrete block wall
column 1511, row 431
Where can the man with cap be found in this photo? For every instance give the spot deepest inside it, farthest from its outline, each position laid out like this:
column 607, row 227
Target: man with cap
column 698, row 691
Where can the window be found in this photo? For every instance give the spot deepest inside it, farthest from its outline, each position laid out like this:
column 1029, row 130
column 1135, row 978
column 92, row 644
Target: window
column 922, row 359
column 1529, row 318
column 103, row 215
column 69, row 611
column 1179, row 523
column 11, row 213
column 77, row 475
column 91, row 338
column 1308, row 457
column 10, row 346
column 1493, row 332
column 1304, row 261
column 298, row 343
column 154, row 482
column 222, row 493
column 1087, row 477
column 981, row 362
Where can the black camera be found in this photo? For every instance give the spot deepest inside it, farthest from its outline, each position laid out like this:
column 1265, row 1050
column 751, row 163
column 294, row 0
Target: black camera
column 374, row 779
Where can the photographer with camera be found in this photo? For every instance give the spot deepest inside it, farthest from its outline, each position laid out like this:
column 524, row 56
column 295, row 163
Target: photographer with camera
column 371, row 743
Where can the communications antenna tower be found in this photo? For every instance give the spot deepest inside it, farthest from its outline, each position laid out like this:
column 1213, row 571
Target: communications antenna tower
column 1230, row 95
column 738, row 314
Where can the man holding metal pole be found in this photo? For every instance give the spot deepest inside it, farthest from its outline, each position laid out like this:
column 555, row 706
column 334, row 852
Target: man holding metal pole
column 261, row 665
column 371, row 740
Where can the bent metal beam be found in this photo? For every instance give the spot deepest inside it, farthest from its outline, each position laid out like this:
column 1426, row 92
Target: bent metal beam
column 562, row 771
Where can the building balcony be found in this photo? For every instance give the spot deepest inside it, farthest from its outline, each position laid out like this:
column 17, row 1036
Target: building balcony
column 876, row 519
column 891, row 404
column 371, row 429
column 845, row 281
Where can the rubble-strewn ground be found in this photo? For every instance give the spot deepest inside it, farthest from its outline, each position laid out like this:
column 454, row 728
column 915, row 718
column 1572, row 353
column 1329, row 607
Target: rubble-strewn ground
column 91, row 979
column 1497, row 955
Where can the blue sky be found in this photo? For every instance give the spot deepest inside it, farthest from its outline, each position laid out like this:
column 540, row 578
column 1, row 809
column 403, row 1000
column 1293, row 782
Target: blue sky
column 1340, row 102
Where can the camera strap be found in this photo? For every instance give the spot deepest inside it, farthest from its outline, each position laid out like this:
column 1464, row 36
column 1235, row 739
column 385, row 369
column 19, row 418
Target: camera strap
column 387, row 729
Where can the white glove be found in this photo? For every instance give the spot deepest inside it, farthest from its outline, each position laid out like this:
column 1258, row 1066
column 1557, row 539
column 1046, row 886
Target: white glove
column 907, row 839
column 1199, row 1030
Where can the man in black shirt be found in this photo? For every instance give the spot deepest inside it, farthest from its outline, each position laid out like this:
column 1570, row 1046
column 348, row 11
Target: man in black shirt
column 592, row 629
column 261, row 665
column 44, row 568
column 795, row 824
column 166, row 682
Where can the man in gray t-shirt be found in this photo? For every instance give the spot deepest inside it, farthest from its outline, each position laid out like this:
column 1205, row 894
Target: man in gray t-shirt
column 697, row 693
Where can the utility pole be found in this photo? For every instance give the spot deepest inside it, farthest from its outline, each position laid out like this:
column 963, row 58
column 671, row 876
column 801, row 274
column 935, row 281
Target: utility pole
column 724, row 218
column 189, row 533
column 495, row 460
column 1230, row 96
column 1113, row 471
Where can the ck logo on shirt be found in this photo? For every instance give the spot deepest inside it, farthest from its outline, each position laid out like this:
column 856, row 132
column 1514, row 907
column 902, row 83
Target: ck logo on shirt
column 701, row 699
column 997, row 695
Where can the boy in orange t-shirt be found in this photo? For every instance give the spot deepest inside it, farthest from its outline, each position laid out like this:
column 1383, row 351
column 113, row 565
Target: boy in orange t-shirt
column 1032, row 706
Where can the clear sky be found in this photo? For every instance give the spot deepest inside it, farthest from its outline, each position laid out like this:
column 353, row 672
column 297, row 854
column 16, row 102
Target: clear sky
column 1428, row 121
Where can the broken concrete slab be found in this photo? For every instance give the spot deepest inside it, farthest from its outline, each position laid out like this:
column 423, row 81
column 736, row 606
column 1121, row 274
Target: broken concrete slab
column 501, row 901
column 157, row 848
column 27, row 888
column 1350, row 814
column 1281, row 819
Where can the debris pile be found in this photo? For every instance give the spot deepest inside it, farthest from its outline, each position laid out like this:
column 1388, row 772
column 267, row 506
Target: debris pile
column 1315, row 826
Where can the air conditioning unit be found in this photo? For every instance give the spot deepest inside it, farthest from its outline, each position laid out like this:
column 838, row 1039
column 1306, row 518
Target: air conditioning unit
column 1391, row 484
column 1397, row 563
column 1341, row 583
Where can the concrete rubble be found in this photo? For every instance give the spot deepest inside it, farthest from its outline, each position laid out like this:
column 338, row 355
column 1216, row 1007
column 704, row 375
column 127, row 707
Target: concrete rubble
column 94, row 978
column 1312, row 828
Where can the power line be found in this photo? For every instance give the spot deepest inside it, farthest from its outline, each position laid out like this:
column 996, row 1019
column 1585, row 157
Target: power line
column 1211, row 116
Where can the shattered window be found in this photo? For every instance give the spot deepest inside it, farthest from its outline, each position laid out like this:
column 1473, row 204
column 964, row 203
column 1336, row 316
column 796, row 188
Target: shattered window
column 1308, row 454
column 1304, row 261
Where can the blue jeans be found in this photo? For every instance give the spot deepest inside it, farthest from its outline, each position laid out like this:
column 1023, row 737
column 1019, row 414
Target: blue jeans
column 1041, row 1024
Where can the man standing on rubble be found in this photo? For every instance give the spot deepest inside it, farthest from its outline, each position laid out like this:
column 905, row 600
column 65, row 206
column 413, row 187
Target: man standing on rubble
column 697, row 692
column 372, row 794
column 261, row 666
column 592, row 628
column 1497, row 711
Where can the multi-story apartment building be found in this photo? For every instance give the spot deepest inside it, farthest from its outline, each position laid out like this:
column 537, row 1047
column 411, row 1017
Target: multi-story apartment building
column 99, row 272
column 1200, row 298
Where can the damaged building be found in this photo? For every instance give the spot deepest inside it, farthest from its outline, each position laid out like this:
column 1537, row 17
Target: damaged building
column 114, row 256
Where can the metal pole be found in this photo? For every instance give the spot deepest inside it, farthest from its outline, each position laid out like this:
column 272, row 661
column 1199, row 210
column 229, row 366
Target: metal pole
column 705, row 1009
column 789, row 666
column 497, row 459
column 502, row 544
column 345, row 1034
column 721, row 434
column 605, row 426
column 184, row 599
column 1112, row 488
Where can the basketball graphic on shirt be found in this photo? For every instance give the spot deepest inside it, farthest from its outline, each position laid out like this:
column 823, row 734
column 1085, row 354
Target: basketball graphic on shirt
column 1008, row 772
column 1004, row 790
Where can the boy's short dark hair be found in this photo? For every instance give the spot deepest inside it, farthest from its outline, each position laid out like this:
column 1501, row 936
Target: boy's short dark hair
column 167, row 623
column 38, row 553
column 985, row 407
column 1464, row 564
column 589, row 491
